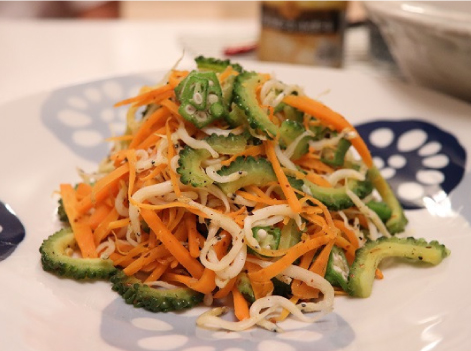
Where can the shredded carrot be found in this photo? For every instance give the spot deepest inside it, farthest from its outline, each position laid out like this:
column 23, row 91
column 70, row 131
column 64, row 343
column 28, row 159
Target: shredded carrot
column 228, row 71
column 173, row 245
column 293, row 253
column 152, row 96
column 176, row 77
column 285, row 185
column 241, row 307
column 221, row 293
column 157, row 272
column 103, row 187
column 80, row 226
column 143, row 260
column 379, row 274
column 327, row 116
column 155, row 120
column 99, row 215
column 103, row 229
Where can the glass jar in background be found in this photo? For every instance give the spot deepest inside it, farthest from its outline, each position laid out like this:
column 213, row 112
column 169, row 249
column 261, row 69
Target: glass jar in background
column 303, row 32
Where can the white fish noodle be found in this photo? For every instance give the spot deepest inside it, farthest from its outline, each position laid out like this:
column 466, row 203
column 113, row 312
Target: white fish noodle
column 106, row 248
column 343, row 174
column 328, row 142
column 240, row 200
column 218, row 193
column 227, row 224
column 285, row 161
column 264, row 213
column 312, row 279
column 369, row 213
column 211, row 172
column 223, row 132
column 211, row 320
column 292, row 147
column 143, row 194
column 119, row 202
column 174, row 162
column 235, row 267
column 194, row 143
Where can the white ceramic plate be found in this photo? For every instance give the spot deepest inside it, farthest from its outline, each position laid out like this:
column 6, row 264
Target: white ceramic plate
column 44, row 138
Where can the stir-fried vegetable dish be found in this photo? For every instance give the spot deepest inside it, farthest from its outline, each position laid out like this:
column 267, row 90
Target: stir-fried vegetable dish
column 231, row 188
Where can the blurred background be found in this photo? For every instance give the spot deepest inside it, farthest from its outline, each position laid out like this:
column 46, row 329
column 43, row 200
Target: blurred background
column 423, row 42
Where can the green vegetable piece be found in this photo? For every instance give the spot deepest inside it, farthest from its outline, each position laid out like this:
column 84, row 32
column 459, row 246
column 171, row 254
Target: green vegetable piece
column 335, row 199
column 290, row 112
column 281, row 288
column 201, row 99
column 191, row 159
column 245, row 288
column 289, row 131
column 190, row 169
column 61, row 212
column 228, row 145
column 54, row 259
column 335, row 156
column 368, row 257
column 397, row 221
column 245, row 97
column 259, row 172
column 267, row 237
column 381, row 208
column 290, row 235
column 141, row 295
column 236, row 117
column 337, row 270
column 215, row 65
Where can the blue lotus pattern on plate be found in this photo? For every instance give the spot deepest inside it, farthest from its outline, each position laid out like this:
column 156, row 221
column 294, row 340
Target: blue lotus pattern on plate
column 419, row 160
column 135, row 329
column 82, row 116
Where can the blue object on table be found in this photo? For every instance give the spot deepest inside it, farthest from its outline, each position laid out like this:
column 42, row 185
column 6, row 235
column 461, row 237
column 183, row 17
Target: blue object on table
column 12, row 231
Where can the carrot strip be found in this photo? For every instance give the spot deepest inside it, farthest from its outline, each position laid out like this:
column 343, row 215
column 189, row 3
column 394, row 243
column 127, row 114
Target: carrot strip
column 172, row 106
column 99, row 215
column 82, row 232
column 176, row 77
column 83, row 189
column 193, row 239
column 157, row 272
column 283, row 180
column 328, row 116
column 226, row 290
column 147, row 127
column 292, row 254
column 349, row 249
column 128, row 258
column 241, row 307
column 103, row 229
column 102, row 188
column 206, row 283
column 265, row 200
column 146, row 98
column 145, row 259
column 261, row 288
column 172, row 244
